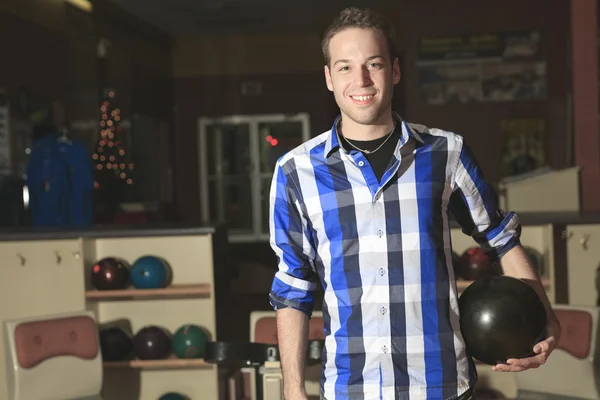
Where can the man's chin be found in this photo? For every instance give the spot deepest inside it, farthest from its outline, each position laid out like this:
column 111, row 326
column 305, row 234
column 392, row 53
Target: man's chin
column 370, row 118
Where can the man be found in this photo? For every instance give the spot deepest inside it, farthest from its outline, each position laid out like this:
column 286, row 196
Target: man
column 362, row 209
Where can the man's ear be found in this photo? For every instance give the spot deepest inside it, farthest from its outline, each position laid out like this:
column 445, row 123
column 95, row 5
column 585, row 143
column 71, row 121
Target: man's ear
column 328, row 79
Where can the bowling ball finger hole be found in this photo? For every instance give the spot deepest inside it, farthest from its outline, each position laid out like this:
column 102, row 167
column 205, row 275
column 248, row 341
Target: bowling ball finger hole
column 191, row 351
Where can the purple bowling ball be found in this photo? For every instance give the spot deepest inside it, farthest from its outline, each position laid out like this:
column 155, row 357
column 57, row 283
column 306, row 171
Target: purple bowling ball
column 152, row 343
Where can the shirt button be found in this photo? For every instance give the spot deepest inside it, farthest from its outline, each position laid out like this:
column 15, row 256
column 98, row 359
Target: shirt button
column 361, row 163
column 380, row 233
column 382, row 272
column 384, row 348
column 383, row 310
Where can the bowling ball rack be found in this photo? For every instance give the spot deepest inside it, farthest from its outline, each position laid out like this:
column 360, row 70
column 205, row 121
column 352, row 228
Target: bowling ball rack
column 174, row 291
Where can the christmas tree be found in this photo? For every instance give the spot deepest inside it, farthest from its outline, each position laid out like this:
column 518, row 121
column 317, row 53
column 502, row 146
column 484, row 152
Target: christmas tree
column 113, row 170
column 114, row 173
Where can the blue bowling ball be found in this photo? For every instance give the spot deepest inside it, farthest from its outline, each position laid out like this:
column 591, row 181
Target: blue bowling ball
column 173, row 396
column 150, row 272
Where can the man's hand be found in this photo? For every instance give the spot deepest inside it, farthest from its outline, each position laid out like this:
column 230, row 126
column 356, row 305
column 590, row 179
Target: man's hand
column 542, row 351
column 516, row 263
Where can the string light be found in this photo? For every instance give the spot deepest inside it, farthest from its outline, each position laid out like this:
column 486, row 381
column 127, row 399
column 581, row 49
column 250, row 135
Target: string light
column 110, row 153
column 273, row 141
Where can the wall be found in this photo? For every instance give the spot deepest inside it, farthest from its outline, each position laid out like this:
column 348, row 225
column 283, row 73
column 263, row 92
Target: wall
column 138, row 61
column 36, row 53
column 49, row 14
column 51, row 50
column 480, row 123
column 215, row 96
column 32, row 70
column 235, row 55
column 208, row 74
column 138, row 65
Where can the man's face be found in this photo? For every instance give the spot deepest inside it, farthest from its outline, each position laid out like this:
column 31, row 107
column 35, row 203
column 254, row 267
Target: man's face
column 361, row 74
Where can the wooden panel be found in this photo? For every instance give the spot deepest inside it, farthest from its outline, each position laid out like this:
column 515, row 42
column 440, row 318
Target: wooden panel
column 583, row 259
column 191, row 260
column 245, row 54
column 197, row 290
column 560, row 277
column 190, row 257
column 39, row 277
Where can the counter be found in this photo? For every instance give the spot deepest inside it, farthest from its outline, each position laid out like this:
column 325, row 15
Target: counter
column 103, row 231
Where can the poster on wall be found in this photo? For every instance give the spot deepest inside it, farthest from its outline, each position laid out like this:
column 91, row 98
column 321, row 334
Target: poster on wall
column 523, row 144
column 475, row 68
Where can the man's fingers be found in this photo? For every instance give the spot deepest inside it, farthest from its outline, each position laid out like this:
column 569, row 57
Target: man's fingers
column 545, row 345
column 521, row 364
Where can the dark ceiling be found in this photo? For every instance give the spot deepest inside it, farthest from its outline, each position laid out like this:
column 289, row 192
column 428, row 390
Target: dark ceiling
column 181, row 17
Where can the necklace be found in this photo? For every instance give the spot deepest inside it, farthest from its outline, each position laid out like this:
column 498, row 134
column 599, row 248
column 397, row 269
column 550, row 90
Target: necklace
column 378, row 147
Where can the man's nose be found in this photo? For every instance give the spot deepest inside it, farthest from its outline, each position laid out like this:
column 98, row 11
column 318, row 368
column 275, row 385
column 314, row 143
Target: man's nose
column 363, row 77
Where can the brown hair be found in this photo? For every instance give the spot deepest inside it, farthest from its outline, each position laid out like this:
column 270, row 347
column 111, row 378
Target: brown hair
column 363, row 18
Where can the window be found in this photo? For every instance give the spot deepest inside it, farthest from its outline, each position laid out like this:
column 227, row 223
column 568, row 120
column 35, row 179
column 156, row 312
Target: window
column 237, row 156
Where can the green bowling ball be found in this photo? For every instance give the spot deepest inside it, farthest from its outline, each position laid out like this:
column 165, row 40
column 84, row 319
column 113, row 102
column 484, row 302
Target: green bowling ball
column 189, row 342
column 173, row 396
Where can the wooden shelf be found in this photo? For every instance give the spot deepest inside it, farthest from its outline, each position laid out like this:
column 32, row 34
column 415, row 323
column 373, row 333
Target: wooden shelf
column 462, row 284
column 171, row 292
column 169, row 363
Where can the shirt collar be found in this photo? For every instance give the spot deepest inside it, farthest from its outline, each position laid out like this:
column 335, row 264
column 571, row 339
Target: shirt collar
column 333, row 142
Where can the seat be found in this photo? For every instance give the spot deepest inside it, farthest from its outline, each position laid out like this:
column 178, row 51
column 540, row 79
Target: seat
column 572, row 370
column 53, row 357
column 263, row 329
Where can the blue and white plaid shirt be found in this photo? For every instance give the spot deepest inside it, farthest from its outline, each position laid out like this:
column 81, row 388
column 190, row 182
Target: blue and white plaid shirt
column 382, row 252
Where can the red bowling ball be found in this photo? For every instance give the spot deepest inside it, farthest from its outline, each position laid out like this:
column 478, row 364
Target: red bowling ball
column 474, row 264
column 110, row 274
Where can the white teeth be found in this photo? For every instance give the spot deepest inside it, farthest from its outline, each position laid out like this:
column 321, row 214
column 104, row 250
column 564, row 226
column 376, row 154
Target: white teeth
column 362, row 98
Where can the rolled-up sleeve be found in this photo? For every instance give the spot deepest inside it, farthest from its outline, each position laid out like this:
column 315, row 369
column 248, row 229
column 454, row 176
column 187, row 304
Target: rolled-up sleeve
column 294, row 284
column 474, row 204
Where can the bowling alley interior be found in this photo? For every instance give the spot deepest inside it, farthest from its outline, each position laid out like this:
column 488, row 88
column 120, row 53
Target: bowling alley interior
column 138, row 145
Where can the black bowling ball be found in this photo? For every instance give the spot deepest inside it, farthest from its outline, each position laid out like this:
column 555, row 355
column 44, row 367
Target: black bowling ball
column 500, row 318
column 115, row 344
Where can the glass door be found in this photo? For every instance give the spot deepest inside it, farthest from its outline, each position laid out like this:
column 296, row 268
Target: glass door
column 237, row 157
column 228, row 176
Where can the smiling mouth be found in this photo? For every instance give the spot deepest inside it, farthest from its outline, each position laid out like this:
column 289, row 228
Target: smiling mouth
column 362, row 99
